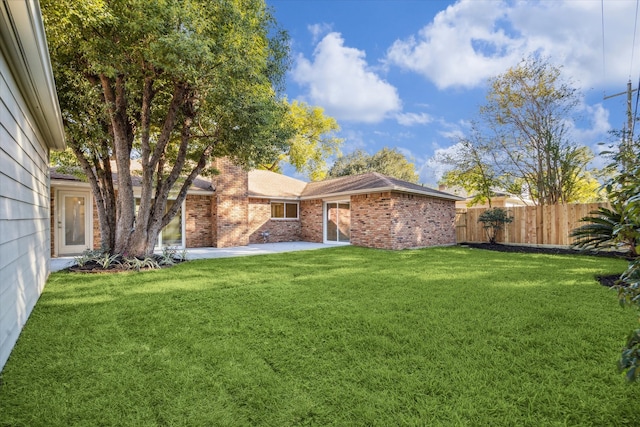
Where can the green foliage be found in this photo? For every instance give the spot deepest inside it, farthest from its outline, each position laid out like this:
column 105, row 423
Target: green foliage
column 172, row 84
column 95, row 260
column 629, row 295
column 494, row 220
column 472, row 168
column 622, row 226
column 521, row 141
column 606, row 229
column 88, row 256
column 387, row 161
column 146, row 263
column 314, row 141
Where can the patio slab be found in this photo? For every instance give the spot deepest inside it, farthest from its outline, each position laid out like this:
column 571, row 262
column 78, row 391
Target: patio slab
column 61, row 263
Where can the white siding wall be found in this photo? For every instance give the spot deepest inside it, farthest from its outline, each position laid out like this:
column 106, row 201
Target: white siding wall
column 24, row 213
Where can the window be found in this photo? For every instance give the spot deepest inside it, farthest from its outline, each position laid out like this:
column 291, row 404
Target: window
column 281, row 210
column 171, row 234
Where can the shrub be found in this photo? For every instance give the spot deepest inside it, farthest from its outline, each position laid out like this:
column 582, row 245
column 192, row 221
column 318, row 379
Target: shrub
column 493, row 221
column 606, row 229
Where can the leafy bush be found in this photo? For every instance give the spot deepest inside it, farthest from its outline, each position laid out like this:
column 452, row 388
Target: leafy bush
column 137, row 264
column 629, row 294
column 622, row 225
column 87, row 256
column 607, row 229
column 103, row 260
column 493, row 221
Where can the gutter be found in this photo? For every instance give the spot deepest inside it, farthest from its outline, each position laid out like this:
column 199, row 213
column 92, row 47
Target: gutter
column 24, row 45
column 383, row 189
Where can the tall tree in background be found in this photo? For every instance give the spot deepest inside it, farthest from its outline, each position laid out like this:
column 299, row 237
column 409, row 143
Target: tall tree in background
column 171, row 83
column 313, row 143
column 526, row 114
column 387, row 161
column 521, row 143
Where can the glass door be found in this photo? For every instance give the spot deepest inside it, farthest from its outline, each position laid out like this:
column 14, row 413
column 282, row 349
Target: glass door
column 337, row 222
column 74, row 222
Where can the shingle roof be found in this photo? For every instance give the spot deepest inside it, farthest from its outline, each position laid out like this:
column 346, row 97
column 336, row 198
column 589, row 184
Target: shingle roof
column 266, row 184
column 274, row 185
column 199, row 184
column 367, row 183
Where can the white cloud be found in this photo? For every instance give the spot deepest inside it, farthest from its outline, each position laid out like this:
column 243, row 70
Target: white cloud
column 597, row 125
column 340, row 80
column 473, row 40
column 318, row 31
column 433, row 168
column 410, row 119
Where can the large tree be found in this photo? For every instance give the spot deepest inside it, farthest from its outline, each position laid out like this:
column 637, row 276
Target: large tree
column 169, row 84
column 472, row 168
column 312, row 144
column 524, row 136
column 387, row 161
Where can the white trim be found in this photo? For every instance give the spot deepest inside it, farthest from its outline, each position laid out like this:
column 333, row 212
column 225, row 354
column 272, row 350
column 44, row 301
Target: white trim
column 57, row 220
column 324, row 223
column 58, row 183
column 275, row 198
column 380, row 190
column 24, row 45
column 285, row 203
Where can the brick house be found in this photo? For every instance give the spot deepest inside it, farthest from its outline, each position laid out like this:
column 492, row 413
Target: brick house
column 237, row 208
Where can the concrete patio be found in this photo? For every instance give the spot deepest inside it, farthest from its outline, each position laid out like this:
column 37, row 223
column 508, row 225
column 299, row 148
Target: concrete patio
column 61, row 263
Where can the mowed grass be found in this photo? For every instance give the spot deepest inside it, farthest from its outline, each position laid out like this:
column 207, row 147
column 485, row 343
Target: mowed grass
column 343, row 336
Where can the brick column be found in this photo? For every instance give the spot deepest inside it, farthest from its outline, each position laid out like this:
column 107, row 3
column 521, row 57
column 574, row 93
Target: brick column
column 232, row 204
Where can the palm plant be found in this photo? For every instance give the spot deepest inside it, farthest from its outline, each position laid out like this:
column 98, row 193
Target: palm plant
column 607, row 229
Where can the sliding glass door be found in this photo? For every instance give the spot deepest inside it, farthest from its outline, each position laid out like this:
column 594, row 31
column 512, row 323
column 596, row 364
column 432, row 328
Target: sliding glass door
column 337, row 222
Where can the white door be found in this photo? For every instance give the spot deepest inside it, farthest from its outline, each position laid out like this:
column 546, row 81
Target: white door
column 74, row 222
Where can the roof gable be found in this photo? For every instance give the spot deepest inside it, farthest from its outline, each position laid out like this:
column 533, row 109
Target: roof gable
column 267, row 184
column 367, row 183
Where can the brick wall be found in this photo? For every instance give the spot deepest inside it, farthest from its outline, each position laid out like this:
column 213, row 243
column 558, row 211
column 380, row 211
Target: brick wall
column 280, row 230
column 400, row 221
column 232, row 211
column 311, row 221
column 419, row 221
column 199, row 228
column 371, row 220
column 198, row 225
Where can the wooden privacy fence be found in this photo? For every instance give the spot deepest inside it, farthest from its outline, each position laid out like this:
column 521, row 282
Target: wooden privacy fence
column 532, row 225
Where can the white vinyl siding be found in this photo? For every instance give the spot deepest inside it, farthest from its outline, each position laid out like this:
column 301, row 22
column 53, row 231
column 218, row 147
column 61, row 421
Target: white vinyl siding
column 24, row 213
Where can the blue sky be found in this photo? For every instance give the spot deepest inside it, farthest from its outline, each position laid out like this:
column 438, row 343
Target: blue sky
column 411, row 74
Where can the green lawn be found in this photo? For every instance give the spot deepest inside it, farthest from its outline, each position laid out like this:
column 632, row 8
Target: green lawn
column 343, row 336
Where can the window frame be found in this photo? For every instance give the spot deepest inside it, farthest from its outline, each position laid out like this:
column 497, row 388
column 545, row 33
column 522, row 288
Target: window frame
column 284, row 210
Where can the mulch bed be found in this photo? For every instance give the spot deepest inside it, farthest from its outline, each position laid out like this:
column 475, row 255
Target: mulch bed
column 116, row 266
column 609, row 281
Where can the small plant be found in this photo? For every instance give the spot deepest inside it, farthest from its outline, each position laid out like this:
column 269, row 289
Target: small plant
column 137, row 264
column 107, row 260
column 493, row 221
column 87, row 256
